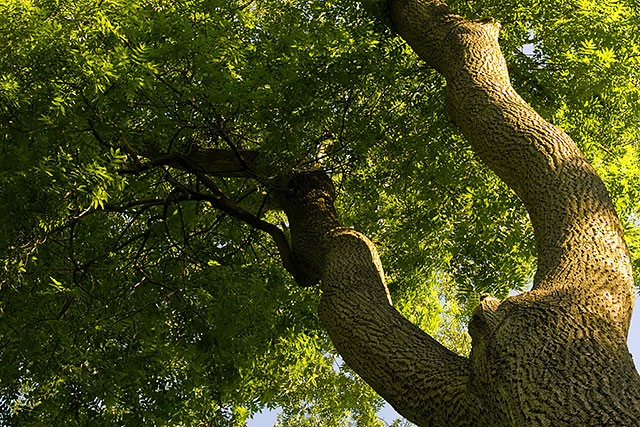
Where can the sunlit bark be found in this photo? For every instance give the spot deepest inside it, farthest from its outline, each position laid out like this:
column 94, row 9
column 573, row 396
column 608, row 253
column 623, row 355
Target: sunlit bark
column 554, row 356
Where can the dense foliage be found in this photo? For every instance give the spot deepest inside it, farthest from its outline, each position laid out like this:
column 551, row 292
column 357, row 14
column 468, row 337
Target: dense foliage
column 123, row 303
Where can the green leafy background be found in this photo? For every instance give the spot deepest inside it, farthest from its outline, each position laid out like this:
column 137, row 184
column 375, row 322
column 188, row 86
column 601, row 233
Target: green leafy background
column 121, row 304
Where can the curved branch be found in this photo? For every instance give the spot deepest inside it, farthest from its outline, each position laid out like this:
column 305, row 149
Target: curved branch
column 567, row 336
column 420, row 378
column 423, row 380
column 203, row 162
column 581, row 249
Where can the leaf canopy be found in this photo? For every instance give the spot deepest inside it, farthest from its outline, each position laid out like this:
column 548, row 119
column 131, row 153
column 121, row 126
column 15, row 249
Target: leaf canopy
column 123, row 303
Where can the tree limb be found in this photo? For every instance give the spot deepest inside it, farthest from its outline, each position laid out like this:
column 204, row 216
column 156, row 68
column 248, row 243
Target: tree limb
column 205, row 162
column 211, row 161
column 580, row 305
column 423, row 380
column 581, row 249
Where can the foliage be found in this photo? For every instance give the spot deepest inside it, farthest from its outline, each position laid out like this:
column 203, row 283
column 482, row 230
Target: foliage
column 122, row 303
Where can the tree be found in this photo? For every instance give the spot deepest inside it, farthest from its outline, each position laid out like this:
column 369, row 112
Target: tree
column 179, row 153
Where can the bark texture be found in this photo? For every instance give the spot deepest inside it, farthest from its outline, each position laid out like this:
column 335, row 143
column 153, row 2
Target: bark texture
column 554, row 356
column 404, row 365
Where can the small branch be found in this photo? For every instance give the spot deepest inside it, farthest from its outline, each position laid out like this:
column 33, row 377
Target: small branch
column 221, row 202
column 232, row 146
column 65, row 308
column 222, row 163
column 96, row 135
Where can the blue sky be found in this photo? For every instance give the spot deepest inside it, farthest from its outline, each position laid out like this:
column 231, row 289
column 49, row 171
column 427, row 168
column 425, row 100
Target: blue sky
column 268, row 418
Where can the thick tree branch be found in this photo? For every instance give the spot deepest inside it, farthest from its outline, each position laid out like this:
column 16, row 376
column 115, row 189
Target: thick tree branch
column 580, row 306
column 211, row 161
column 423, row 380
column 581, row 250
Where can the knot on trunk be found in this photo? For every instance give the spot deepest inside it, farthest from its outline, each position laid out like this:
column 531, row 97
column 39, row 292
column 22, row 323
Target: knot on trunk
column 485, row 317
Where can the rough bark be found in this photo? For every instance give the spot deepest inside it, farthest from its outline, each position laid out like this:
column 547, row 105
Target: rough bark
column 554, row 356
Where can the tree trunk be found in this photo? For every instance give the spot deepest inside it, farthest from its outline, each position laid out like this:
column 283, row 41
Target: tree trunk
column 554, row 356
